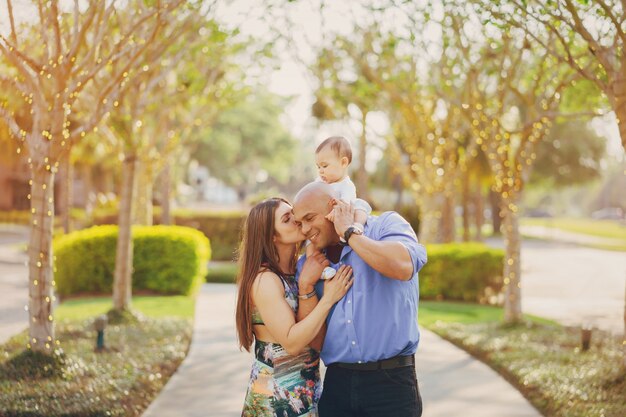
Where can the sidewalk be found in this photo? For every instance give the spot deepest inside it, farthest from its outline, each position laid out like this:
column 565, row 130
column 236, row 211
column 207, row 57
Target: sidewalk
column 12, row 238
column 13, row 281
column 212, row 380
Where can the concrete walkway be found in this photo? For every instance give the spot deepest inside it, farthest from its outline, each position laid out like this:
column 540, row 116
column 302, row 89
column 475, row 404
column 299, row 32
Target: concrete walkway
column 13, row 281
column 212, row 380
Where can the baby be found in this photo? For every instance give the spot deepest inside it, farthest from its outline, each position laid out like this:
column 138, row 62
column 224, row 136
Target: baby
column 333, row 157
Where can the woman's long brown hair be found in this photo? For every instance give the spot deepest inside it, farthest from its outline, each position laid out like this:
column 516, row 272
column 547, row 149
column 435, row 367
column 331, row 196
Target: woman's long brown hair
column 256, row 252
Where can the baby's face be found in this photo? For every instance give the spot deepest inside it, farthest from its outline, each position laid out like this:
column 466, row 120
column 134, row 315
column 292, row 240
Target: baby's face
column 330, row 166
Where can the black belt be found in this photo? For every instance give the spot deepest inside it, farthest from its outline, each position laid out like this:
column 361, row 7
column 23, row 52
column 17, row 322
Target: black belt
column 391, row 363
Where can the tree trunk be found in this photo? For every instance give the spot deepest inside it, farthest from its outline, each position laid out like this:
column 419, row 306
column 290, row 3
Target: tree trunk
column 124, row 255
column 143, row 211
column 361, row 185
column 399, row 187
column 429, row 223
column 624, row 337
column 41, row 279
column 512, row 269
column 496, row 216
column 465, row 202
column 447, row 218
column 166, row 180
column 479, row 210
column 89, row 194
column 619, row 104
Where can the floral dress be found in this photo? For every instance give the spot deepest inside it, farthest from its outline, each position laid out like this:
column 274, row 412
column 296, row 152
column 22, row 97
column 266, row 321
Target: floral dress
column 283, row 385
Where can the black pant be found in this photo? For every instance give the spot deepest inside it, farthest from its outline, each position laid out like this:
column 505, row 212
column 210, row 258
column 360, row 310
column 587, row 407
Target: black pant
column 382, row 393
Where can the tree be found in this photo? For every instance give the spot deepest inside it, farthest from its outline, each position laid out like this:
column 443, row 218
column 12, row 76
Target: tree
column 570, row 155
column 200, row 87
column 62, row 54
column 248, row 144
column 341, row 71
column 589, row 36
column 520, row 95
column 142, row 139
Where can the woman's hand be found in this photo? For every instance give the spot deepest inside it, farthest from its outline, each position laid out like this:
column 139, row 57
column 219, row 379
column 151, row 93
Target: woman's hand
column 336, row 287
column 312, row 271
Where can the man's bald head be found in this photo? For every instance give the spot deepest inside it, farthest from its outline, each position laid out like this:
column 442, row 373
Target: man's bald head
column 316, row 191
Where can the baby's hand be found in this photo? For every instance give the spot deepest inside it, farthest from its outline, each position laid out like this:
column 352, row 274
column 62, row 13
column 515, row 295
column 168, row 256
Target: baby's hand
column 310, row 250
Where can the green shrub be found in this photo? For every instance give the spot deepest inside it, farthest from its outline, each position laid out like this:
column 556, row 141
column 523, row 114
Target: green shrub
column 222, row 273
column 166, row 259
column 462, row 271
column 223, row 228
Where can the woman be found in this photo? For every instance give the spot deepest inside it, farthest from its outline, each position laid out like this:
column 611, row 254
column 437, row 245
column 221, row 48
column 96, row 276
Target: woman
column 285, row 374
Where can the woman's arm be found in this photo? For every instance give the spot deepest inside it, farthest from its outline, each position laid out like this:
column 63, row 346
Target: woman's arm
column 269, row 297
column 308, row 277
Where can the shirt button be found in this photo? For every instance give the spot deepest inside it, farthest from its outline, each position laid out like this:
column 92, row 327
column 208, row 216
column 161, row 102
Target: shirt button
column 349, row 301
column 353, row 342
column 349, row 321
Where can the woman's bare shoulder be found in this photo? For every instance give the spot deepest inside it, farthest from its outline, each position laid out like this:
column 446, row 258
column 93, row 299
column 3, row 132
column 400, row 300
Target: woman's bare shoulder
column 267, row 282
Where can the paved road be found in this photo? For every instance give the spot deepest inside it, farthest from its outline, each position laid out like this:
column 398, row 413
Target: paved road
column 573, row 284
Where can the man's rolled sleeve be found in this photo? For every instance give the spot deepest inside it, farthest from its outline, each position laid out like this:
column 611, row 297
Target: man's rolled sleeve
column 396, row 229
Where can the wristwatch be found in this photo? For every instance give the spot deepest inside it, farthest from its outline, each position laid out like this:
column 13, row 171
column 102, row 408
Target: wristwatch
column 355, row 229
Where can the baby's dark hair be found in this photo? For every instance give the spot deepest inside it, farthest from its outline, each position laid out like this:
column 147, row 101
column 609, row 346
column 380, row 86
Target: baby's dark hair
column 339, row 145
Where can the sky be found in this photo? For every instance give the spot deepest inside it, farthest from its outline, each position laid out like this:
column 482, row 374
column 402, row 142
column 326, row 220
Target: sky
column 291, row 78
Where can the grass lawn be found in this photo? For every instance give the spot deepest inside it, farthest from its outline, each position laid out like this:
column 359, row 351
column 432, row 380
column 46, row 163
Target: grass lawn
column 542, row 359
column 601, row 228
column 432, row 312
column 121, row 381
column 150, row 306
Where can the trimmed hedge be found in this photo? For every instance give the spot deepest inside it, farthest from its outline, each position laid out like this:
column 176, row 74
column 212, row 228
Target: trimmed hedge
column 462, row 271
column 166, row 259
column 223, row 228
column 15, row 217
column 455, row 271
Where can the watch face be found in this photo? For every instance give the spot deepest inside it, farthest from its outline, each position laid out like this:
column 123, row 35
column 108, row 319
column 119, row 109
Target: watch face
column 350, row 231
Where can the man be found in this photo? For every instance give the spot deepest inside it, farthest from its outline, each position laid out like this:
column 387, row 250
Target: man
column 372, row 333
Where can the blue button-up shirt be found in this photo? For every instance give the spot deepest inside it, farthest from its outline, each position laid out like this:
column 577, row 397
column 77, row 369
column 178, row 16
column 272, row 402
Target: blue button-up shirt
column 377, row 318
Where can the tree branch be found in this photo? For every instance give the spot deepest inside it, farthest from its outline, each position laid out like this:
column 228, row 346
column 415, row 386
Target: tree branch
column 609, row 12
column 11, row 49
column 54, row 10
column 43, row 30
column 80, row 34
column 582, row 30
column 11, row 122
column 12, row 22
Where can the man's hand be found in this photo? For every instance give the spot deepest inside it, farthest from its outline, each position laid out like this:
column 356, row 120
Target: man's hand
column 343, row 216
